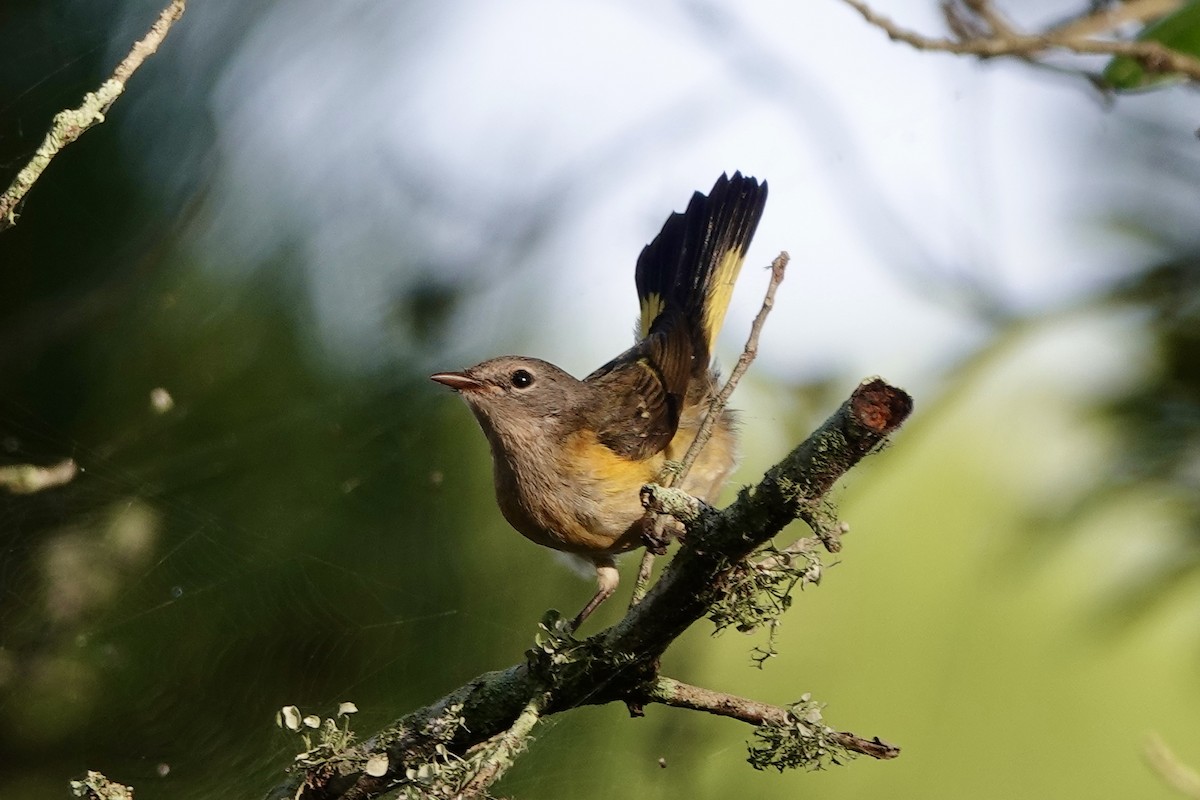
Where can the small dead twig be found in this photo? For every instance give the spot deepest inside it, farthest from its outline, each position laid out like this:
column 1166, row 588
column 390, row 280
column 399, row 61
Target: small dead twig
column 70, row 124
column 715, row 407
column 749, row 352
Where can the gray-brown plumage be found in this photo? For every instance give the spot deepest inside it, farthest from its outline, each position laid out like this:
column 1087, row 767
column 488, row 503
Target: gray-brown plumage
column 570, row 456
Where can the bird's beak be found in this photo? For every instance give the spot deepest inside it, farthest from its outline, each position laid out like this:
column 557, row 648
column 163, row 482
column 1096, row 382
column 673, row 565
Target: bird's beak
column 458, row 381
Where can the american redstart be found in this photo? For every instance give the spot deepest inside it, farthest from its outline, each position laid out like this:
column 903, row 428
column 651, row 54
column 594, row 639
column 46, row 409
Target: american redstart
column 570, row 456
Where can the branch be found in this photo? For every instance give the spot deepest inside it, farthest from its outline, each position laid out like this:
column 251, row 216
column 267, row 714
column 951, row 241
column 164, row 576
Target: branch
column 439, row 744
column 70, row 124
column 788, row 491
column 982, row 32
column 682, row 695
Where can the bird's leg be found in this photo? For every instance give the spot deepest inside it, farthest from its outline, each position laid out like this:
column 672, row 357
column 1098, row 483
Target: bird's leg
column 607, row 579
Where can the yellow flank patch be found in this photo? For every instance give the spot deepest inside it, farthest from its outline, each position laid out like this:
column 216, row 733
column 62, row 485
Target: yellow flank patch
column 600, row 466
column 720, row 290
column 652, row 306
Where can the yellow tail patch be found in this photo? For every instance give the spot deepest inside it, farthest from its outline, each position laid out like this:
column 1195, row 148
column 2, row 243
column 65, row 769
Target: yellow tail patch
column 720, row 291
column 716, row 302
column 652, row 306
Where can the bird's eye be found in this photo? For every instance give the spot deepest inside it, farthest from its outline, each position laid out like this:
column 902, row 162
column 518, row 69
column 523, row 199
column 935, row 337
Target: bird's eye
column 521, row 379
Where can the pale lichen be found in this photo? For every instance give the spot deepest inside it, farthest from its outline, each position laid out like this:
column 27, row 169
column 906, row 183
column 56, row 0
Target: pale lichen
column 759, row 590
column 805, row 741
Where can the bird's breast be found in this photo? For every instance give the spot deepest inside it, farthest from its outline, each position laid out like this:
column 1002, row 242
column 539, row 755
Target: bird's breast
column 579, row 496
column 582, row 498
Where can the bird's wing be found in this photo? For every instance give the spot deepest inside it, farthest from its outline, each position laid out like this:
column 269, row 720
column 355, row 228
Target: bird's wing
column 640, row 394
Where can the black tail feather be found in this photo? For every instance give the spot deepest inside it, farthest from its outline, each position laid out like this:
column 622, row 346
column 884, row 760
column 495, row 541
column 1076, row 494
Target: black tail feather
column 681, row 269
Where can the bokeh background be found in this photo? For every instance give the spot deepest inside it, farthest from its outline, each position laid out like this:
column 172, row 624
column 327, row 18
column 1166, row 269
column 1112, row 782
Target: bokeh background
column 300, row 209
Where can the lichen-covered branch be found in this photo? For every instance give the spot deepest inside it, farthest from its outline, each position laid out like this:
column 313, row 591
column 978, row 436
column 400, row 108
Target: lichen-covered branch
column 789, row 490
column 71, row 123
column 696, row 698
column 434, row 751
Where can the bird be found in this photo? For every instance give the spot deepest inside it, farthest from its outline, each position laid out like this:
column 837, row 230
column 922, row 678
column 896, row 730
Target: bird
column 570, row 456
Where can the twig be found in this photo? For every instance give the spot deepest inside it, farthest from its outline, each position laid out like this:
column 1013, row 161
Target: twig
column 1155, row 56
column 1176, row 774
column 642, row 582
column 70, row 124
column 988, row 13
column 1110, row 17
column 696, row 698
column 715, row 407
column 749, row 352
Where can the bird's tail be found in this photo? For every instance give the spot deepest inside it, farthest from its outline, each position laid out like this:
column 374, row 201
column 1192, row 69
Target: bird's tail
column 692, row 264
